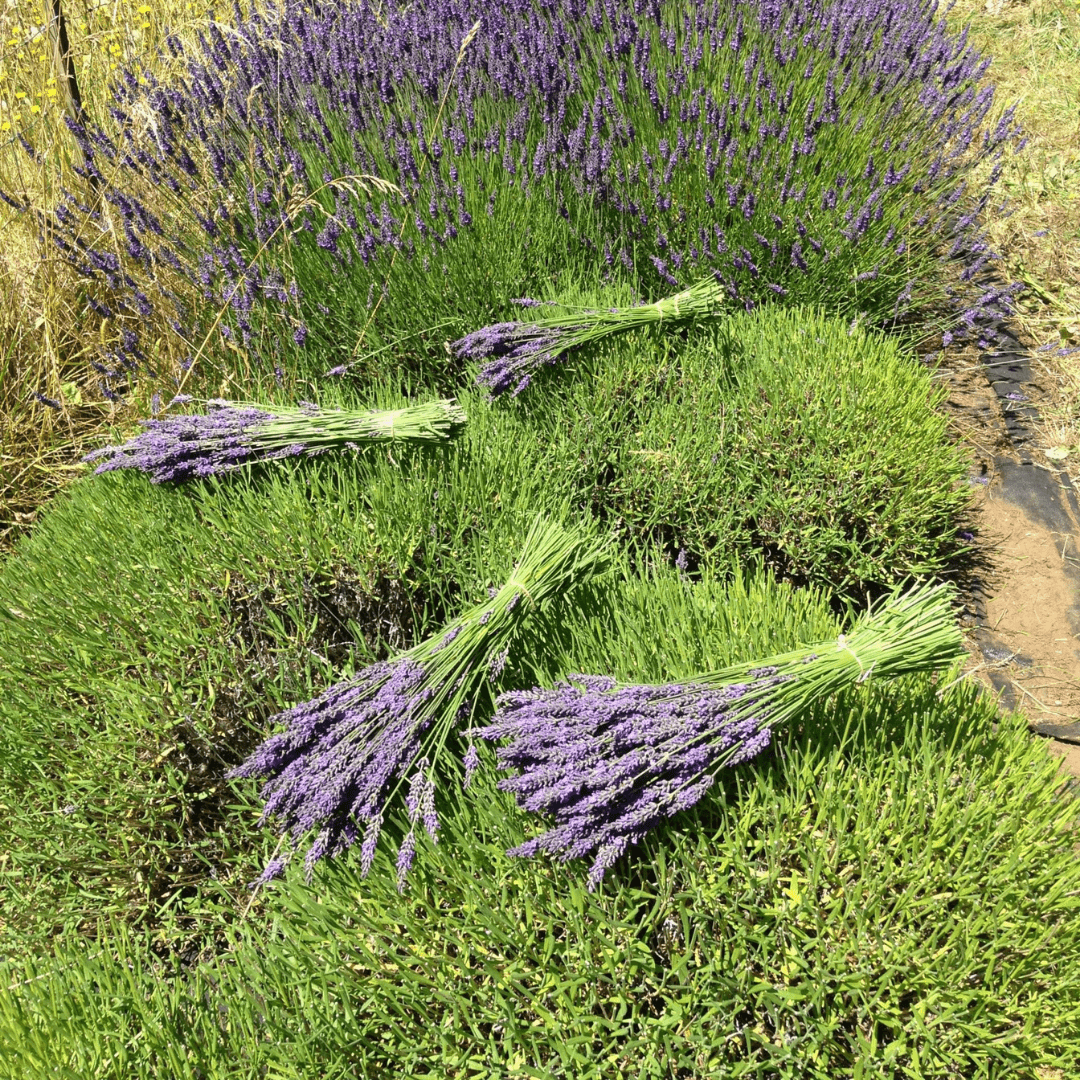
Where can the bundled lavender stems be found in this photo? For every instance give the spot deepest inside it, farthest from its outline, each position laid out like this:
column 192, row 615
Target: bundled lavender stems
column 342, row 757
column 609, row 763
column 513, row 351
column 233, row 434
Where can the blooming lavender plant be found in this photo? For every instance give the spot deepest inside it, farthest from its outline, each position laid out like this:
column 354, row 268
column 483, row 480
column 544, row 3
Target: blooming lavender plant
column 512, row 352
column 609, row 763
column 342, row 757
column 819, row 150
column 232, row 434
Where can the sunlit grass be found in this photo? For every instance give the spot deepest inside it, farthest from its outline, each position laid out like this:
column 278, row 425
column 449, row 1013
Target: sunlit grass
column 1036, row 51
column 45, row 344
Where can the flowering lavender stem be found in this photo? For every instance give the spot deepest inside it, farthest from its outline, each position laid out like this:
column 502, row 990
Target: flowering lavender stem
column 343, row 756
column 233, row 434
column 609, row 763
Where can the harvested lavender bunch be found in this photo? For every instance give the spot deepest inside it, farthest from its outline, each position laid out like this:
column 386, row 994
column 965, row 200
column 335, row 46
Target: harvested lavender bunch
column 609, row 763
column 232, row 434
column 342, row 757
column 513, row 352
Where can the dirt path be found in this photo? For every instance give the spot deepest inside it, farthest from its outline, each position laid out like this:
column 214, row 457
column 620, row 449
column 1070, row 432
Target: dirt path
column 1023, row 595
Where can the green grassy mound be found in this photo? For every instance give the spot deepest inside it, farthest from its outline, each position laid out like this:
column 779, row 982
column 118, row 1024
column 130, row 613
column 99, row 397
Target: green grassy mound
column 891, row 892
column 147, row 634
column 781, row 434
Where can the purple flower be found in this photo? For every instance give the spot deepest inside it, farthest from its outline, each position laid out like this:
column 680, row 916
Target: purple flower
column 342, row 756
column 471, row 761
column 273, row 869
column 185, row 447
column 405, row 856
column 609, row 763
column 512, row 351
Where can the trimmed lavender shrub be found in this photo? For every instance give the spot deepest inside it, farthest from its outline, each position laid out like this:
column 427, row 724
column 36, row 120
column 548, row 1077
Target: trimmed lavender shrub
column 232, row 434
column 822, row 151
column 344, row 755
column 609, row 763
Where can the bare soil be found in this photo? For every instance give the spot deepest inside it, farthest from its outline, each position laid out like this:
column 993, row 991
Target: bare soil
column 1022, row 590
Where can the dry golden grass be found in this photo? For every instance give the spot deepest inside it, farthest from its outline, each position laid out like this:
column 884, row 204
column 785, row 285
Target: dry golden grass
column 46, row 343
column 1036, row 49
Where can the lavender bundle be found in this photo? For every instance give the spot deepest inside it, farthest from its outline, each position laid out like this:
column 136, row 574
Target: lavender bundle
column 234, row 433
column 514, row 351
column 343, row 756
column 611, row 762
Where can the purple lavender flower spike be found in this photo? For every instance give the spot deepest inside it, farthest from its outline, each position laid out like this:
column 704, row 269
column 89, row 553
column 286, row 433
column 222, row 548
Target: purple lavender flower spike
column 609, row 764
column 184, row 447
column 342, row 754
column 405, row 857
column 367, row 848
column 420, row 800
column 512, row 351
column 273, row 869
column 471, row 761
column 231, row 435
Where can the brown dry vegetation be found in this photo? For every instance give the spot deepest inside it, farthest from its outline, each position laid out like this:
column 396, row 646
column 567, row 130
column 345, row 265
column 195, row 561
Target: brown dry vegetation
column 46, row 345
column 46, row 349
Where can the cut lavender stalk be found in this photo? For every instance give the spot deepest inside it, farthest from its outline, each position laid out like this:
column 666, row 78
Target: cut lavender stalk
column 609, row 763
column 513, row 352
column 233, row 434
column 343, row 756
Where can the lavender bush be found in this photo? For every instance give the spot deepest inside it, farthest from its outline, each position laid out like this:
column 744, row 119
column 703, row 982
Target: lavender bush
column 822, row 151
column 232, row 434
column 343, row 756
column 609, row 763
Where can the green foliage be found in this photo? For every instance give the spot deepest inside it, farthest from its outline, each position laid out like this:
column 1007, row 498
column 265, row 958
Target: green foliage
column 892, row 894
column 147, row 634
column 778, row 433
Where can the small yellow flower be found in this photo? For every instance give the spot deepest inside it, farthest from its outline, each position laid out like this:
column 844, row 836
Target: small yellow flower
column 19, row 96
column 5, row 126
column 114, row 49
column 34, row 109
column 144, row 10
